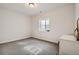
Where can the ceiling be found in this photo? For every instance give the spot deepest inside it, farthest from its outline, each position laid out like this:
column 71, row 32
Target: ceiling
column 20, row 7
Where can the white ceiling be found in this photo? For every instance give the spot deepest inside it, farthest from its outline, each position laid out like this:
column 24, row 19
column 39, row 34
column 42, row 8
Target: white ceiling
column 20, row 7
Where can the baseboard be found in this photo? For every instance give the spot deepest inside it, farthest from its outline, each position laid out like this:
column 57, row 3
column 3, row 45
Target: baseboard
column 45, row 40
column 2, row 42
column 26, row 38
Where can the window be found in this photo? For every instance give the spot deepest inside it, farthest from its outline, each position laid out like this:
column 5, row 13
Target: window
column 44, row 24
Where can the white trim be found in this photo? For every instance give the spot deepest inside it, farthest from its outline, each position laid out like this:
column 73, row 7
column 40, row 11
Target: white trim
column 6, row 41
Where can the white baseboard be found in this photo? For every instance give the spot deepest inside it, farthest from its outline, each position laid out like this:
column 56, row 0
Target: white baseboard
column 53, row 41
column 6, row 41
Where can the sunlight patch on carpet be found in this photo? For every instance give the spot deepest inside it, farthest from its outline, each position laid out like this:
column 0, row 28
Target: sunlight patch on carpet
column 33, row 49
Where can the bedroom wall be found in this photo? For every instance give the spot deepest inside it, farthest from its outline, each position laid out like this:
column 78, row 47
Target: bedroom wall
column 77, row 10
column 13, row 25
column 61, row 20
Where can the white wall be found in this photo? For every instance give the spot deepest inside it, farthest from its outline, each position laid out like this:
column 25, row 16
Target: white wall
column 13, row 25
column 77, row 10
column 62, row 22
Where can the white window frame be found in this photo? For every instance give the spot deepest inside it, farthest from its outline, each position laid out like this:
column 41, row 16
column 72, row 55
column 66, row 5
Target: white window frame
column 40, row 25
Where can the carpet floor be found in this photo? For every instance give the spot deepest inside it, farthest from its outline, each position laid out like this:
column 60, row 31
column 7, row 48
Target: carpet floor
column 30, row 46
